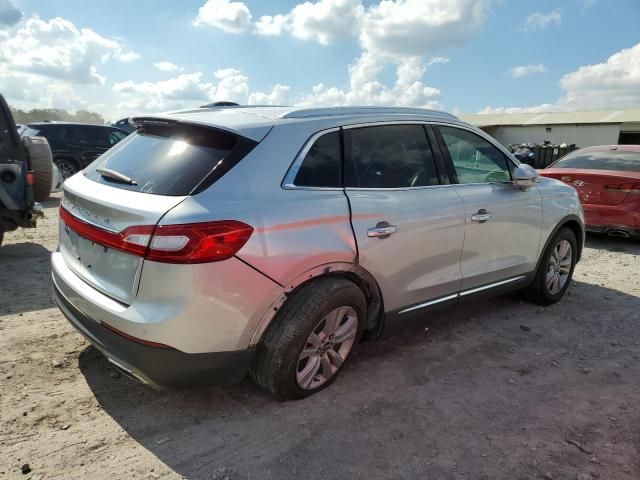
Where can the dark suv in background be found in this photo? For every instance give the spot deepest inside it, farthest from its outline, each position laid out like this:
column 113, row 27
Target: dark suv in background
column 75, row 145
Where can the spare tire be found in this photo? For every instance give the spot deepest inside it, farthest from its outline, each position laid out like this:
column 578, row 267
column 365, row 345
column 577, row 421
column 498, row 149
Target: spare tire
column 41, row 163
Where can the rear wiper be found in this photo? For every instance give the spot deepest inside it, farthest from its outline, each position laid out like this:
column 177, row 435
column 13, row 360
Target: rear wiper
column 117, row 176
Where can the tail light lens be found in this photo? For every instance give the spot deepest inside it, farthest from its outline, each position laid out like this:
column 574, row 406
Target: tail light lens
column 184, row 243
column 624, row 187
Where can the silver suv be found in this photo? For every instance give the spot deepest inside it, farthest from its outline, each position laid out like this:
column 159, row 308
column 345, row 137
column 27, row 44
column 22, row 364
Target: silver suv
column 215, row 242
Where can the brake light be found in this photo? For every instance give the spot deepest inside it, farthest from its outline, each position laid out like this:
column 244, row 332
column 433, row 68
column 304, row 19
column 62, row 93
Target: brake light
column 198, row 242
column 624, row 187
column 184, row 243
column 29, row 178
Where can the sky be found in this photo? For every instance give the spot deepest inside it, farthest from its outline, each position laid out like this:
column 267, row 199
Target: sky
column 463, row 56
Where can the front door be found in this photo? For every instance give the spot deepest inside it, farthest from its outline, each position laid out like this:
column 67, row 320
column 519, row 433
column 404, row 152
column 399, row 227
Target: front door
column 409, row 228
column 503, row 223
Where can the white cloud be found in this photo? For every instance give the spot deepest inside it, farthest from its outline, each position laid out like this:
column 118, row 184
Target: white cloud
column 271, row 25
column 325, row 21
column 280, row 95
column 183, row 91
column 435, row 60
column 167, row 67
column 524, row 70
column 614, row 84
column 540, row 21
column 9, row 14
column 419, row 27
column 365, row 89
column 58, row 49
column 232, row 17
column 390, row 27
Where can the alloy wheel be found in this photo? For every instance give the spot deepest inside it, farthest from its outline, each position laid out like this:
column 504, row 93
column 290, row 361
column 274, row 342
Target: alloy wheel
column 327, row 348
column 559, row 267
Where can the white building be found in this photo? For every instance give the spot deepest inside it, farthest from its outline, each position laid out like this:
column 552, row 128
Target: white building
column 583, row 129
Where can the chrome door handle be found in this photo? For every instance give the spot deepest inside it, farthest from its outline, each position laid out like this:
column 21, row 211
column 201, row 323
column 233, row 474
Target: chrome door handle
column 481, row 217
column 382, row 231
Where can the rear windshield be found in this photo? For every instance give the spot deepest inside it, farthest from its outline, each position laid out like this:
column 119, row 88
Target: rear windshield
column 606, row 160
column 166, row 160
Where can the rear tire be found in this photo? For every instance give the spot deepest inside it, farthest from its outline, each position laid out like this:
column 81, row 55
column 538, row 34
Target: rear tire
column 555, row 270
column 41, row 162
column 299, row 339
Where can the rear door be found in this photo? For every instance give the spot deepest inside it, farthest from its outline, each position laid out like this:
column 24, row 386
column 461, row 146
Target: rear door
column 409, row 227
column 503, row 223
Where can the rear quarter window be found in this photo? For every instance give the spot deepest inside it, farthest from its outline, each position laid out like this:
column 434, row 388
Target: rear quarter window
column 607, row 160
column 321, row 165
column 175, row 159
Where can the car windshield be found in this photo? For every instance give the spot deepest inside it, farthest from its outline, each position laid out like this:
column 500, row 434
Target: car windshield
column 601, row 160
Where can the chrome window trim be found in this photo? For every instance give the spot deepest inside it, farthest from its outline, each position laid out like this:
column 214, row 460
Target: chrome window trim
column 287, row 182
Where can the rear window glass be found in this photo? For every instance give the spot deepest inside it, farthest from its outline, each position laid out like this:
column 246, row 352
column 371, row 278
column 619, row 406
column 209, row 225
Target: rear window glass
column 607, row 160
column 166, row 160
column 321, row 165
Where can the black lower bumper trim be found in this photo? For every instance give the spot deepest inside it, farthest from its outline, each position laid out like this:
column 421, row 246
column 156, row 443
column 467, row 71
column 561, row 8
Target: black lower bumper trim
column 160, row 367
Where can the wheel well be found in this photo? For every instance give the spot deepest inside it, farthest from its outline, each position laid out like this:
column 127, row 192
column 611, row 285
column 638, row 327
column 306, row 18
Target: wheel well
column 371, row 290
column 577, row 231
column 363, row 279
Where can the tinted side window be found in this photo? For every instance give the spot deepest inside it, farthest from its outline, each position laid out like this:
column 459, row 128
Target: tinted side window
column 390, row 156
column 57, row 134
column 474, row 159
column 116, row 136
column 321, row 165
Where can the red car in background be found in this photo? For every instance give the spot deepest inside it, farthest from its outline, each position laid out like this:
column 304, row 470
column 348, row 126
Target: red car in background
column 607, row 179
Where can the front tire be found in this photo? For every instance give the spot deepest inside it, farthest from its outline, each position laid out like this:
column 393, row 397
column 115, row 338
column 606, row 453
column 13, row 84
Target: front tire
column 311, row 339
column 555, row 270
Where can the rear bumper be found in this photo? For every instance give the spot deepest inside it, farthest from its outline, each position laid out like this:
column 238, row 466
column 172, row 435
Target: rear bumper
column 602, row 218
column 160, row 367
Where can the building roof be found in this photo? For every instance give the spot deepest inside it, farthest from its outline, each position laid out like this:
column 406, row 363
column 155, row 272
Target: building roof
column 552, row 118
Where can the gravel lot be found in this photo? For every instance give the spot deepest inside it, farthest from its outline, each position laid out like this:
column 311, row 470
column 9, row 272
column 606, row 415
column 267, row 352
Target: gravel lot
column 493, row 390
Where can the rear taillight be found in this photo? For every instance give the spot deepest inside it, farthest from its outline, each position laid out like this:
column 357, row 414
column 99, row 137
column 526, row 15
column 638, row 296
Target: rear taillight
column 624, row 187
column 198, row 242
column 184, row 243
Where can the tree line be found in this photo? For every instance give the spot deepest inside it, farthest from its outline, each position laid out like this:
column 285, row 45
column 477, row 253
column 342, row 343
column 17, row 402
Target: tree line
column 56, row 114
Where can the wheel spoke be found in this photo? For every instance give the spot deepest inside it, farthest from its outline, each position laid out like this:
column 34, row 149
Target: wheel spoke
column 327, row 347
column 550, row 276
column 305, row 378
column 336, row 358
column 327, row 368
column 333, row 320
column 345, row 331
column 556, row 283
column 564, row 249
column 314, row 340
column 308, row 351
column 565, row 269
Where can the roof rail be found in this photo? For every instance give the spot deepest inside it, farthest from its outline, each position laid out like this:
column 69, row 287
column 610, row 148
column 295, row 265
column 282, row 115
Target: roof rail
column 343, row 111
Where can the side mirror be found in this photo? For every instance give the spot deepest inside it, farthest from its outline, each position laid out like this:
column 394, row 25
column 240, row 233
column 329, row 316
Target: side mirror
column 525, row 176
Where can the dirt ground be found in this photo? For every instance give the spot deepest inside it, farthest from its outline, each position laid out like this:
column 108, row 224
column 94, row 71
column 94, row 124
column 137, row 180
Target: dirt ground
column 497, row 389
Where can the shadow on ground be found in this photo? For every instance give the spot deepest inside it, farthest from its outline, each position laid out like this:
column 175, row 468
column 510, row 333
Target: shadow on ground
column 613, row 244
column 491, row 390
column 25, row 283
